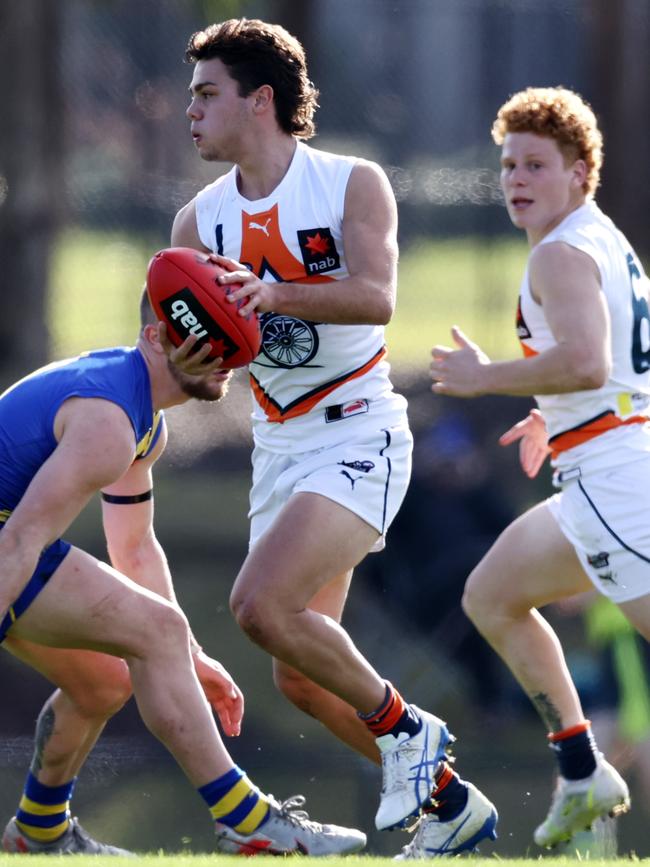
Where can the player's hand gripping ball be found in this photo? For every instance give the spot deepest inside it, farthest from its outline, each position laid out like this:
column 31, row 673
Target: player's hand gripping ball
column 184, row 291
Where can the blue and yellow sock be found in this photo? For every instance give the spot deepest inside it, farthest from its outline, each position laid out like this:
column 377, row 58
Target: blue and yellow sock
column 44, row 811
column 234, row 801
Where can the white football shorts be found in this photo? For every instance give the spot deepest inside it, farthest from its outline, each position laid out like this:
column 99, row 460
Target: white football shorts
column 606, row 517
column 366, row 469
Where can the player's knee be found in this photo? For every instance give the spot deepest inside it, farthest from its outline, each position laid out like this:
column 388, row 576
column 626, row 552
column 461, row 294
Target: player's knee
column 174, row 625
column 486, row 609
column 166, row 627
column 255, row 617
column 112, row 696
column 103, row 695
column 473, row 601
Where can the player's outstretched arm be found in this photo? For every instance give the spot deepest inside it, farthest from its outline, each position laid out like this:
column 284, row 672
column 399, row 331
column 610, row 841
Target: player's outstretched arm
column 127, row 511
column 94, row 447
column 566, row 282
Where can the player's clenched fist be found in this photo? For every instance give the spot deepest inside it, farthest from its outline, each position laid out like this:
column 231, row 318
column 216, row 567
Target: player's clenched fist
column 458, row 371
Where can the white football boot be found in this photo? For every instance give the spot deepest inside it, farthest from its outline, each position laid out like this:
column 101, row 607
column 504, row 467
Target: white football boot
column 289, row 830
column 74, row 840
column 435, row 839
column 576, row 803
column 409, row 764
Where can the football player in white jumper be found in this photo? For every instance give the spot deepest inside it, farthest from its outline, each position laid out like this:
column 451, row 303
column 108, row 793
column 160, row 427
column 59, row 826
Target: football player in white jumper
column 312, row 237
column 583, row 322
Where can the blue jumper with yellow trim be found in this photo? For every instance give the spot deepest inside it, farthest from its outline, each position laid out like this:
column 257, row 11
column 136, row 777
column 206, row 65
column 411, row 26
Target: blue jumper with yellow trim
column 27, row 413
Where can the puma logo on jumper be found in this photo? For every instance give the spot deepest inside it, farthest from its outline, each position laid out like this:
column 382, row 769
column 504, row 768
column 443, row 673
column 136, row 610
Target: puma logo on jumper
column 263, row 227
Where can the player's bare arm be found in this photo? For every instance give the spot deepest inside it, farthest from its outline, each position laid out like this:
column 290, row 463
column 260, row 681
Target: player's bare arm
column 184, row 230
column 136, row 552
column 128, row 526
column 367, row 296
column 95, row 446
column 566, row 283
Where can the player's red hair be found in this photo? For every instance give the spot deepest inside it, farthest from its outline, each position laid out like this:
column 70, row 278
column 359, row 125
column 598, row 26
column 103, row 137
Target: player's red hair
column 559, row 114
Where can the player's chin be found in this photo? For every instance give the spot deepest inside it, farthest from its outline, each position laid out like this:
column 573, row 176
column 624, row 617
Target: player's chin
column 209, row 154
column 208, row 388
column 518, row 218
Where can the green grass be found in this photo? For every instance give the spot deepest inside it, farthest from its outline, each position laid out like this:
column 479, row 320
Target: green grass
column 95, row 285
column 221, row 860
column 97, row 277
column 468, row 282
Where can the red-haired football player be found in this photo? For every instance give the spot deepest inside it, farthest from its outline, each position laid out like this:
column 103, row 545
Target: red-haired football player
column 584, row 324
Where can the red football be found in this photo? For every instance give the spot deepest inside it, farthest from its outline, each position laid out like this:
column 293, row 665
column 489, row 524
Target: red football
column 184, row 293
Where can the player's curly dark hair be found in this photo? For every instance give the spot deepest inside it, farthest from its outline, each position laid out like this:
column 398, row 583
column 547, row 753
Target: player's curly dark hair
column 560, row 114
column 258, row 53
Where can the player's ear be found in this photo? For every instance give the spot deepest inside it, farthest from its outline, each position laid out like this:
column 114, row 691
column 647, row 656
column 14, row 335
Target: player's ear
column 579, row 173
column 262, row 98
column 151, row 336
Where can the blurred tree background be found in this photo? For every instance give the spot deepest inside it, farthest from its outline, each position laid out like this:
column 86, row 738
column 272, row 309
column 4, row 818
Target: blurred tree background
column 95, row 159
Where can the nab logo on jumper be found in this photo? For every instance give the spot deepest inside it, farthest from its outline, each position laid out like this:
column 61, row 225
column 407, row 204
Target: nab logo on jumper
column 318, row 249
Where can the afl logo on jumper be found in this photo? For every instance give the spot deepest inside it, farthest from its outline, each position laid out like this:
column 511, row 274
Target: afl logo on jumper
column 286, row 341
column 319, row 252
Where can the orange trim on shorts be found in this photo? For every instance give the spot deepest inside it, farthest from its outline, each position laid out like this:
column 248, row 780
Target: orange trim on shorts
column 577, row 729
column 597, row 426
column 275, row 413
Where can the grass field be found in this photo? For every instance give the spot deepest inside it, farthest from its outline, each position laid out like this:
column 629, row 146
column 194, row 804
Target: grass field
column 97, row 277
column 95, row 285
column 468, row 282
column 217, row 860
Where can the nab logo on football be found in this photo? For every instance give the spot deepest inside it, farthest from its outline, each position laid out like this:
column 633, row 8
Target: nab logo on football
column 189, row 317
column 318, row 250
